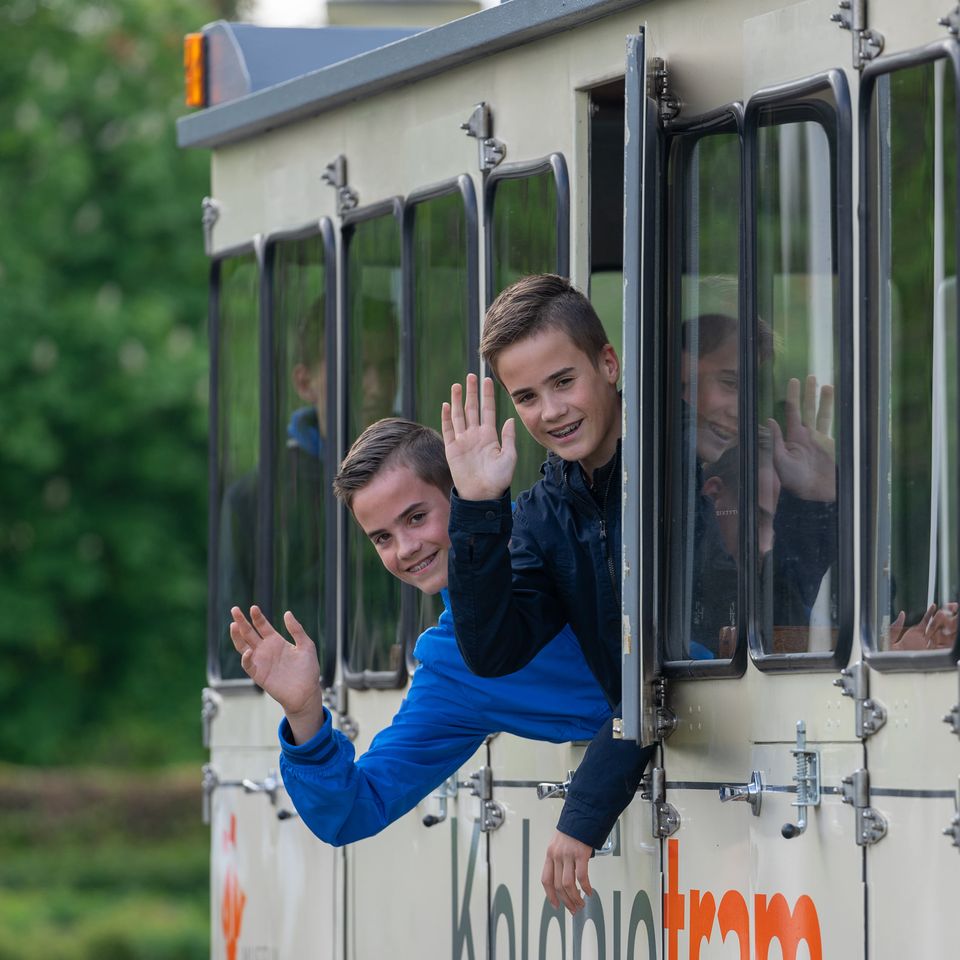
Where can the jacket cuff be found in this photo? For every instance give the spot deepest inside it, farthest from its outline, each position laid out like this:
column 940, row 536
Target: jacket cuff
column 318, row 750
column 480, row 516
column 586, row 824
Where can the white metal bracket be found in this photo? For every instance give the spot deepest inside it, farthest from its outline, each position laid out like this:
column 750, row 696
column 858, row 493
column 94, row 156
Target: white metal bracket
column 867, row 42
column 665, row 820
column 869, row 716
column 490, row 151
column 953, row 831
column 481, row 786
column 870, row 825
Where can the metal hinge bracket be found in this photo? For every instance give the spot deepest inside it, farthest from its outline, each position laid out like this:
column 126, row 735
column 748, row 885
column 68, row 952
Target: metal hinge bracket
column 335, row 174
column 870, row 825
column 669, row 104
column 490, row 151
column 867, row 42
column 209, row 215
column 953, row 717
column 869, row 716
column 952, row 20
column 665, row 820
column 953, row 831
column 335, row 699
column 210, row 702
column 481, row 786
column 666, row 719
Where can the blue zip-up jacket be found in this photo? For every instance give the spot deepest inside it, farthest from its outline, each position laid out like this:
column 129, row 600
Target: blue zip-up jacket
column 444, row 718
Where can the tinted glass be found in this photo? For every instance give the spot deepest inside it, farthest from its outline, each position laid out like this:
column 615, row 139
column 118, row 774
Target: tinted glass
column 441, row 320
column 797, row 363
column 913, row 150
column 238, row 443
column 374, row 390
column 302, row 429
column 524, row 241
column 704, row 433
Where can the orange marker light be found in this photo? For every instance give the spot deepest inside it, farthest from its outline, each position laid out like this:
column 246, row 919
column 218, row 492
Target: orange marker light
column 193, row 70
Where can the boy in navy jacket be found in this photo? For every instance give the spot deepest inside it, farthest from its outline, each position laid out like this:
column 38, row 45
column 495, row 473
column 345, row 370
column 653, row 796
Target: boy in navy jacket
column 396, row 483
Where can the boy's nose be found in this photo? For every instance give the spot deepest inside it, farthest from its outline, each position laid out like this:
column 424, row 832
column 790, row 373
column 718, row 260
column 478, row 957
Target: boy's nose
column 407, row 547
column 552, row 409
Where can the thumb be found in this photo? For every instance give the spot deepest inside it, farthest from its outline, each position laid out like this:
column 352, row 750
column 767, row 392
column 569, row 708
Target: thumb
column 508, row 438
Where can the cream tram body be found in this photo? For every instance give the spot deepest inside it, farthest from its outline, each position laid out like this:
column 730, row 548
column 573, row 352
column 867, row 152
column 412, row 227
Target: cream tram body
column 319, row 187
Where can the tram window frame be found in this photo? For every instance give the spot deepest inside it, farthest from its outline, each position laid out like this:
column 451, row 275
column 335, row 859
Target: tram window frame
column 215, row 676
column 323, row 230
column 463, row 187
column 367, row 679
column 949, row 50
column 680, row 139
column 800, row 101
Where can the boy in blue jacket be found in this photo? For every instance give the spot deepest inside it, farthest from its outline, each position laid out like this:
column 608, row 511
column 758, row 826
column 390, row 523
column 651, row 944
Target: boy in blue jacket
column 396, row 482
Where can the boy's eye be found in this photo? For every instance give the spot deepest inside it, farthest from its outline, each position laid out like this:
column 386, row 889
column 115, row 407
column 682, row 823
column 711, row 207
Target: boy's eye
column 380, row 539
column 417, row 518
column 564, row 382
column 523, row 398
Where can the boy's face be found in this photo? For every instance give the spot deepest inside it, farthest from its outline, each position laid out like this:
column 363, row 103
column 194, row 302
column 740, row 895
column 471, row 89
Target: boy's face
column 406, row 520
column 568, row 404
column 716, row 400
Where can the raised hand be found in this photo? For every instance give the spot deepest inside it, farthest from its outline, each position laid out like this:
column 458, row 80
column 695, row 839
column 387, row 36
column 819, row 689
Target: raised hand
column 805, row 458
column 480, row 462
column 937, row 629
column 289, row 672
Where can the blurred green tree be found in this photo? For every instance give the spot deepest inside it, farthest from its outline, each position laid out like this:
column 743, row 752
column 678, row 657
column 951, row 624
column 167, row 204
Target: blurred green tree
column 103, row 417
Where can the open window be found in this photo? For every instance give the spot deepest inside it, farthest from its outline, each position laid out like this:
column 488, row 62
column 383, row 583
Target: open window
column 910, row 331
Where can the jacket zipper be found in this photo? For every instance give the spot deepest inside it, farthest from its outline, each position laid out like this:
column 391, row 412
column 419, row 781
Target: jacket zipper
column 602, row 514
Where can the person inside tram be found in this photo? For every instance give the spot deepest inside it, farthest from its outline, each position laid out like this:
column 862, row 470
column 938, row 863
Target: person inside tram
column 516, row 576
column 802, row 535
column 396, row 484
column 936, row 630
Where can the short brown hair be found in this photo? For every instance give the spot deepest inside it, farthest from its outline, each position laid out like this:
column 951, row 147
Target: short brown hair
column 714, row 329
column 390, row 442
column 540, row 302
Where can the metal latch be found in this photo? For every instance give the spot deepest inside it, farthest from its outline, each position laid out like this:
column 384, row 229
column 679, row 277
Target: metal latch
column 547, row 791
column 669, row 104
column 953, row 831
column 209, row 215
column 666, row 719
column 751, row 793
column 952, row 20
column 869, row 716
column 953, row 717
column 867, row 42
column 490, row 151
column 665, row 821
column 446, row 791
column 210, row 702
column 870, row 825
column 335, row 174
column 807, row 779
column 270, row 785
column 481, row 786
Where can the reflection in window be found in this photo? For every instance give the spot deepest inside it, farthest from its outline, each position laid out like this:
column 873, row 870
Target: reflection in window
column 913, row 153
column 238, row 433
column 441, row 320
column 523, row 241
column 703, row 542
column 795, row 507
column 302, row 428
column 372, row 283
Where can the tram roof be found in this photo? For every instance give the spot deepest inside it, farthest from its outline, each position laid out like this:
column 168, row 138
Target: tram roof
column 377, row 60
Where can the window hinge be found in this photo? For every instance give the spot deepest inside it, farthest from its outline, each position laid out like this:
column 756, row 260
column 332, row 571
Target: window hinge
column 869, row 716
column 669, row 104
column 209, row 215
column 666, row 719
column 870, row 825
column 335, row 174
column 953, row 717
column 210, row 702
column 953, row 831
column 867, row 42
column 490, row 151
column 481, row 786
column 952, row 20
column 665, row 820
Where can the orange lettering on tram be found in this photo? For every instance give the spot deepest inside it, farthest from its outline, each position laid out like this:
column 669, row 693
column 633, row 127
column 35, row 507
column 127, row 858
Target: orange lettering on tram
column 234, row 899
column 774, row 920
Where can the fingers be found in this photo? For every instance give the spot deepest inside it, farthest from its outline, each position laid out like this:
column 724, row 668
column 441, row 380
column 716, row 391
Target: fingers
column 825, row 412
column 446, row 424
column 295, row 629
column 456, row 409
column 508, row 439
column 810, row 401
column 488, row 403
column 547, row 881
column 471, row 407
column 792, row 407
column 242, row 633
column 261, row 624
column 569, row 893
column 896, row 628
column 583, row 875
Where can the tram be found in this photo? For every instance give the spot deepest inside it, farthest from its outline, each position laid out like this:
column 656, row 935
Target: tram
column 790, row 167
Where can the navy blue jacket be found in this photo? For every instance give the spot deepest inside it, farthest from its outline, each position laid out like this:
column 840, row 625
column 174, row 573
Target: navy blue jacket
column 516, row 578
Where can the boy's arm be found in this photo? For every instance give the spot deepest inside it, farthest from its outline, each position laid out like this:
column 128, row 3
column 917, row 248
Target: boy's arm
column 342, row 799
column 602, row 788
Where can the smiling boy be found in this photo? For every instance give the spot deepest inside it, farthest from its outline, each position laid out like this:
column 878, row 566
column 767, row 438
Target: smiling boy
column 396, row 483
column 515, row 579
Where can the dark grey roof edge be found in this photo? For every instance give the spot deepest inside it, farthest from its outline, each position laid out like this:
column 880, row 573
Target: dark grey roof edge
column 424, row 54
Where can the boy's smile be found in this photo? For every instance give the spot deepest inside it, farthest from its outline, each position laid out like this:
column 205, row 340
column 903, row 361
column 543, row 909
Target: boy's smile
column 569, row 405
column 406, row 520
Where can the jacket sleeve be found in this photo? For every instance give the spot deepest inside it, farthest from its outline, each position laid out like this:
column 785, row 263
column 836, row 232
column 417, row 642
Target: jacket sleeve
column 603, row 786
column 503, row 600
column 804, row 548
column 342, row 799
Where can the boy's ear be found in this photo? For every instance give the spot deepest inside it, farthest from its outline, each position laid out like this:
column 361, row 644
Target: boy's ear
column 712, row 488
column 303, row 383
column 608, row 363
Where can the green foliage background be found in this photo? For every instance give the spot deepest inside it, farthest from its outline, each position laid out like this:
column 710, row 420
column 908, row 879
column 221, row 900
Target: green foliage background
column 103, row 378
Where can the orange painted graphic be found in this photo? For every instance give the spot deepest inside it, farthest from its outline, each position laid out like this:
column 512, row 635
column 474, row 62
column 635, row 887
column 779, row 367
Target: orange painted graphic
column 234, row 899
column 772, row 919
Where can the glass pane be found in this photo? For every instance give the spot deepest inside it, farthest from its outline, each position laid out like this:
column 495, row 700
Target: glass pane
column 441, row 320
column 374, row 640
column 703, row 532
column 914, row 467
column 302, row 427
column 524, row 241
column 795, row 507
column 238, row 445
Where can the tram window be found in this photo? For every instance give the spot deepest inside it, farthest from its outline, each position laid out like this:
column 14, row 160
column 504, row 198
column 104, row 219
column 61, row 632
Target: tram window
column 374, row 623
column 527, row 227
column 912, row 341
column 237, row 396
column 703, row 428
column 442, row 237
column 796, row 359
column 303, row 448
